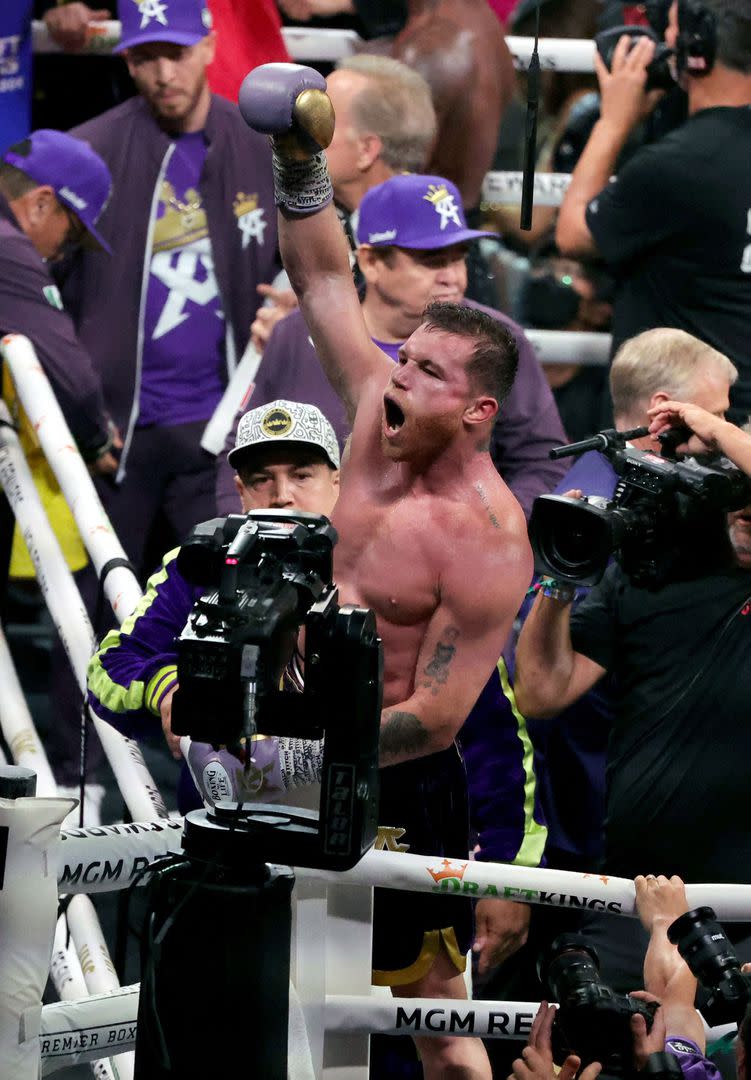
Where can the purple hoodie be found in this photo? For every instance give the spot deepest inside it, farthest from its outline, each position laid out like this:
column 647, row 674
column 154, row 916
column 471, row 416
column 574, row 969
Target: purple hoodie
column 106, row 295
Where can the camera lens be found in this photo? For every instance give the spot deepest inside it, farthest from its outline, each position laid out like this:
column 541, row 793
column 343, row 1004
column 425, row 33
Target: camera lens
column 571, row 964
column 703, row 945
column 571, row 539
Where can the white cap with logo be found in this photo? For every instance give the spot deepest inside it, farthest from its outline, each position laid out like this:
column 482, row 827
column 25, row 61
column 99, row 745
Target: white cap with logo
column 285, row 421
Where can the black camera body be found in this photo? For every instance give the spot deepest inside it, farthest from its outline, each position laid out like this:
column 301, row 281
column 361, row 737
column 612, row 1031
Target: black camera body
column 664, row 522
column 268, row 576
column 659, row 74
column 704, row 946
column 592, row 1021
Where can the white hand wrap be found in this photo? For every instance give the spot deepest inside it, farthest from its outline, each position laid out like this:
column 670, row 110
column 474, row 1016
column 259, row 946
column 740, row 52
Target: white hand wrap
column 301, row 762
column 302, row 187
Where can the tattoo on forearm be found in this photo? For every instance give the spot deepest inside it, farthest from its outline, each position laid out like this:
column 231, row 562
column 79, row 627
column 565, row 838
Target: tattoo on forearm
column 486, row 503
column 436, row 671
column 402, row 732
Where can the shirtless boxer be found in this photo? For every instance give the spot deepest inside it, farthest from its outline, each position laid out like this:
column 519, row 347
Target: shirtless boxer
column 459, row 49
column 429, row 535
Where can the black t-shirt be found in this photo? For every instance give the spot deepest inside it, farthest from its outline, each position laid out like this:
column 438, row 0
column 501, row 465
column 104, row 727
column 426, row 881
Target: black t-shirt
column 679, row 759
column 676, row 226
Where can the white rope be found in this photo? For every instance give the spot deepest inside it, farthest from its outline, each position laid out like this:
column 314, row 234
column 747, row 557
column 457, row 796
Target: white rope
column 107, row 857
column 71, row 620
column 18, row 725
column 570, row 347
column 76, row 1031
column 557, row 54
column 40, row 404
column 505, row 189
column 67, row 978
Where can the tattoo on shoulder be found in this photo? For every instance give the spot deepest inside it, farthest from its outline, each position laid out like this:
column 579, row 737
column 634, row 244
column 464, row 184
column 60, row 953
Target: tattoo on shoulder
column 436, row 671
column 486, row 503
column 402, row 732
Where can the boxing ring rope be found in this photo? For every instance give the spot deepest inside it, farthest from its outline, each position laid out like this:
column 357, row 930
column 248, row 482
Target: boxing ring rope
column 40, row 404
column 304, row 44
column 72, row 1031
column 106, row 857
column 55, row 578
column 64, row 602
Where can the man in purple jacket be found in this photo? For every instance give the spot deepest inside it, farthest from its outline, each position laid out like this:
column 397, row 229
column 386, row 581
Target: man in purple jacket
column 53, row 189
column 413, row 243
column 193, row 221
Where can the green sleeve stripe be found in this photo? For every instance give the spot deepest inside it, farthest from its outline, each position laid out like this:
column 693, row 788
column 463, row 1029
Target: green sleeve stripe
column 158, row 686
column 535, row 835
column 113, row 696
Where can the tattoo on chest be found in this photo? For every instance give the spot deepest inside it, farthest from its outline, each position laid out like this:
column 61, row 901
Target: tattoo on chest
column 402, row 732
column 436, row 671
column 486, row 503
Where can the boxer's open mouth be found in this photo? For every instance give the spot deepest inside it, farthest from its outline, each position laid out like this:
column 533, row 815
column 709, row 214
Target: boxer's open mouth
column 394, row 415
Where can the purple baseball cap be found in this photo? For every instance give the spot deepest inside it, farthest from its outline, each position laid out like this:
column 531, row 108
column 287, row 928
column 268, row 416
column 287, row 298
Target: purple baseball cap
column 414, row 211
column 80, row 178
column 183, row 22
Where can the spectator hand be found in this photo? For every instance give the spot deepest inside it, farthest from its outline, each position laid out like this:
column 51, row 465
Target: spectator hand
column 623, row 99
column 647, row 1042
column 278, row 303
column 304, row 10
column 108, row 463
column 173, row 741
column 659, row 898
column 536, row 1062
column 501, row 928
column 69, row 24
column 705, row 425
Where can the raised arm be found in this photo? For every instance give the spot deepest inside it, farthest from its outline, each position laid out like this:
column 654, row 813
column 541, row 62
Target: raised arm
column 550, row 675
column 460, row 649
column 289, row 103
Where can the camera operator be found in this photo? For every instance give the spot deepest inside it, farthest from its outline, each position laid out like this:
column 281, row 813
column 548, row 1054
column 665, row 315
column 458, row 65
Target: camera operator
column 674, row 224
column 676, row 768
column 677, row 1027
column 286, row 457
column 649, row 370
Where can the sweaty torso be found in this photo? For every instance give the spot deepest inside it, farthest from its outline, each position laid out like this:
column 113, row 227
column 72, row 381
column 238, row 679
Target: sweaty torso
column 396, row 540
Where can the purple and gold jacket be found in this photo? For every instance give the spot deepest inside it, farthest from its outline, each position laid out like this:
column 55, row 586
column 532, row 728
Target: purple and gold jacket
column 106, row 296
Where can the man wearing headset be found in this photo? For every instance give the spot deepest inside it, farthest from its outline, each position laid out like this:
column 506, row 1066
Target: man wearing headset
column 675, row 224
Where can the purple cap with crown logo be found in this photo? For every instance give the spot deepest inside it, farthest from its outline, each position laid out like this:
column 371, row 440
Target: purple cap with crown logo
column 80, row 178
column 183, row 22
column 414, row 211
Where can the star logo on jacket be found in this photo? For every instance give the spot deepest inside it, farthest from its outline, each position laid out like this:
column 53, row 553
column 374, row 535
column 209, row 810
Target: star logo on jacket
column 251, row 219
column 444, row 204
column 152, row 9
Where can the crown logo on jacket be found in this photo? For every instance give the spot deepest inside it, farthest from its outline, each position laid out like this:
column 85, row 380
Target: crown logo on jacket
column 244, row 204
column 450, row 870
column 182, row 223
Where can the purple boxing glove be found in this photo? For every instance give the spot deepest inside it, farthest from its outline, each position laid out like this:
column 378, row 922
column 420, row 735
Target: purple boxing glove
column 289, row 102
column 219, row 775
column 268, row 100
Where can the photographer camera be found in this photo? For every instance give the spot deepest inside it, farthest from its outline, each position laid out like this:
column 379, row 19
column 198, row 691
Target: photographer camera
column 666, row 1032
column 673, row 226
column 676, row 785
